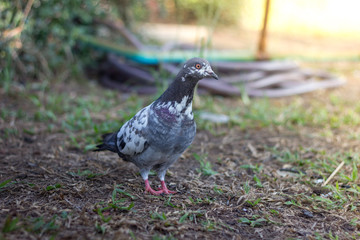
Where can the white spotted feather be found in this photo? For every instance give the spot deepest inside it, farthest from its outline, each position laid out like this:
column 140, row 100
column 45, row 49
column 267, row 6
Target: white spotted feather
column 132, row 134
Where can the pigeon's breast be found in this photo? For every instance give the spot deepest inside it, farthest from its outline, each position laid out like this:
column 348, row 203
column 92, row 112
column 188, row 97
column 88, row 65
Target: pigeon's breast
column 172, row 129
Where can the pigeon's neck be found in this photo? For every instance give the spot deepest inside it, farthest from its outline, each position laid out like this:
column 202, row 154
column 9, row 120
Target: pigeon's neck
column 179, row 89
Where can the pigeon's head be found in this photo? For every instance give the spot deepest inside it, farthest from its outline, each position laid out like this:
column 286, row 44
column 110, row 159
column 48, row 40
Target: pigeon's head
column 197, row 69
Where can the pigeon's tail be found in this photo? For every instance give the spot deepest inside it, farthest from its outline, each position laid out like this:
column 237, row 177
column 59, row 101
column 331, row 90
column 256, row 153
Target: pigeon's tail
column 108, row 143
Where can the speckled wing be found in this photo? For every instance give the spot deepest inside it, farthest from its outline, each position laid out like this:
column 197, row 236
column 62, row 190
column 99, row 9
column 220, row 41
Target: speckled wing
column 131, row 139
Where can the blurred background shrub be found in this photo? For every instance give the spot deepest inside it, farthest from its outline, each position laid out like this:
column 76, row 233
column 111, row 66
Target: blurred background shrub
column 38, row 37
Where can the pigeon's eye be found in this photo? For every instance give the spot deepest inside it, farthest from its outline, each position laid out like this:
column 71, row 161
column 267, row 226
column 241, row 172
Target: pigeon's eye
column 198, row 66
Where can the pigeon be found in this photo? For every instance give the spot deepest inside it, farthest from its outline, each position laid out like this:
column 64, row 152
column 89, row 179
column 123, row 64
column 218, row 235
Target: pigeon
column 159, row 133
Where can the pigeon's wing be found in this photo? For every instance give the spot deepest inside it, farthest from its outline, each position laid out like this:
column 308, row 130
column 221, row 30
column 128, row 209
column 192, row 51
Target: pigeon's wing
column 132, row 139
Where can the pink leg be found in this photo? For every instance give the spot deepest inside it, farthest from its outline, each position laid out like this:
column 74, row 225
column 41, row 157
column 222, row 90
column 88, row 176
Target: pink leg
column 164, row 189
column 150, row 190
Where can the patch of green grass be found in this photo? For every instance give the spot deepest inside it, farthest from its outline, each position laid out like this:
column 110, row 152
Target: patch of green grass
column 6, row 183
column 116, row 204
column 218, row 190
column 191, row 216
column 52, row 187
column 197, row 201
column 100, row 228
column 168, row 202
column 255, row 168
column 253, row 221
column 258, row 183
column 292, row 203
column 354, row 174
column 156, row 215
column 263, row 113
column 246, row 187
column 254, row 203
column 209, row 225
column 8, row 113
column 275, row 212
column 332, row 237
column 38, row 225
column 205, row 166
column 117, row 190
column 85, row 173
column 5, row 133
column 78, row 120
column 11, row 224
column 41, row 226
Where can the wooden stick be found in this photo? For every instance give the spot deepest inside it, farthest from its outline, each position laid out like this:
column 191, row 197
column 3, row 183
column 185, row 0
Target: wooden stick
column 333, row 174
column 261, row 50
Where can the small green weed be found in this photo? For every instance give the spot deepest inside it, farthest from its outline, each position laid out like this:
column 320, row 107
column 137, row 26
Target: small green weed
column 275, row 212
column 257, row 182
column 246, row 187
column 39, row 225
column 10, row 224
column 205, row 166
column 218, row 190
column 100, row 228
column 168, row 202
column 292, row 203
column 253, row 221
column 52, row 187
column 256, row 168
column 116, row 204
column 156, row 215
column 85, row 173
column 191, row 216
column 254, row 203
column 197, row 201
column 6, row 183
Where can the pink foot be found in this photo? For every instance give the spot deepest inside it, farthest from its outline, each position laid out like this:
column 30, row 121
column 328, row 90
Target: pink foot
column 162, row 190
column 165, row 190
column 150, row 190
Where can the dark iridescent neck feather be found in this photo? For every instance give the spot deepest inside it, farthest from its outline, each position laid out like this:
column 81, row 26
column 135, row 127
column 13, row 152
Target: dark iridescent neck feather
column 178, row 89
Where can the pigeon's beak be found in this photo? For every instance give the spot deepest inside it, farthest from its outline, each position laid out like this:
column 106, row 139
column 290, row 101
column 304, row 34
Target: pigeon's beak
column 211, row 73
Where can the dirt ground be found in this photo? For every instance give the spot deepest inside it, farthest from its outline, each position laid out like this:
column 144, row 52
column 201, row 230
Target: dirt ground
column 57, row 191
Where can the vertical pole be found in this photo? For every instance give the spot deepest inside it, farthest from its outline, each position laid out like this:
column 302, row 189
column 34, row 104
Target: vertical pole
column 261, row 49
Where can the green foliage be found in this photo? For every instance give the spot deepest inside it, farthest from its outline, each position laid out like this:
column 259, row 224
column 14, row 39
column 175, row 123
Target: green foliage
column 10, row 224
column 40, row 37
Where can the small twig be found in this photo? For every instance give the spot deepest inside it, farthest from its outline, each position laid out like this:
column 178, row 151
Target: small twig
column 333, row 174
